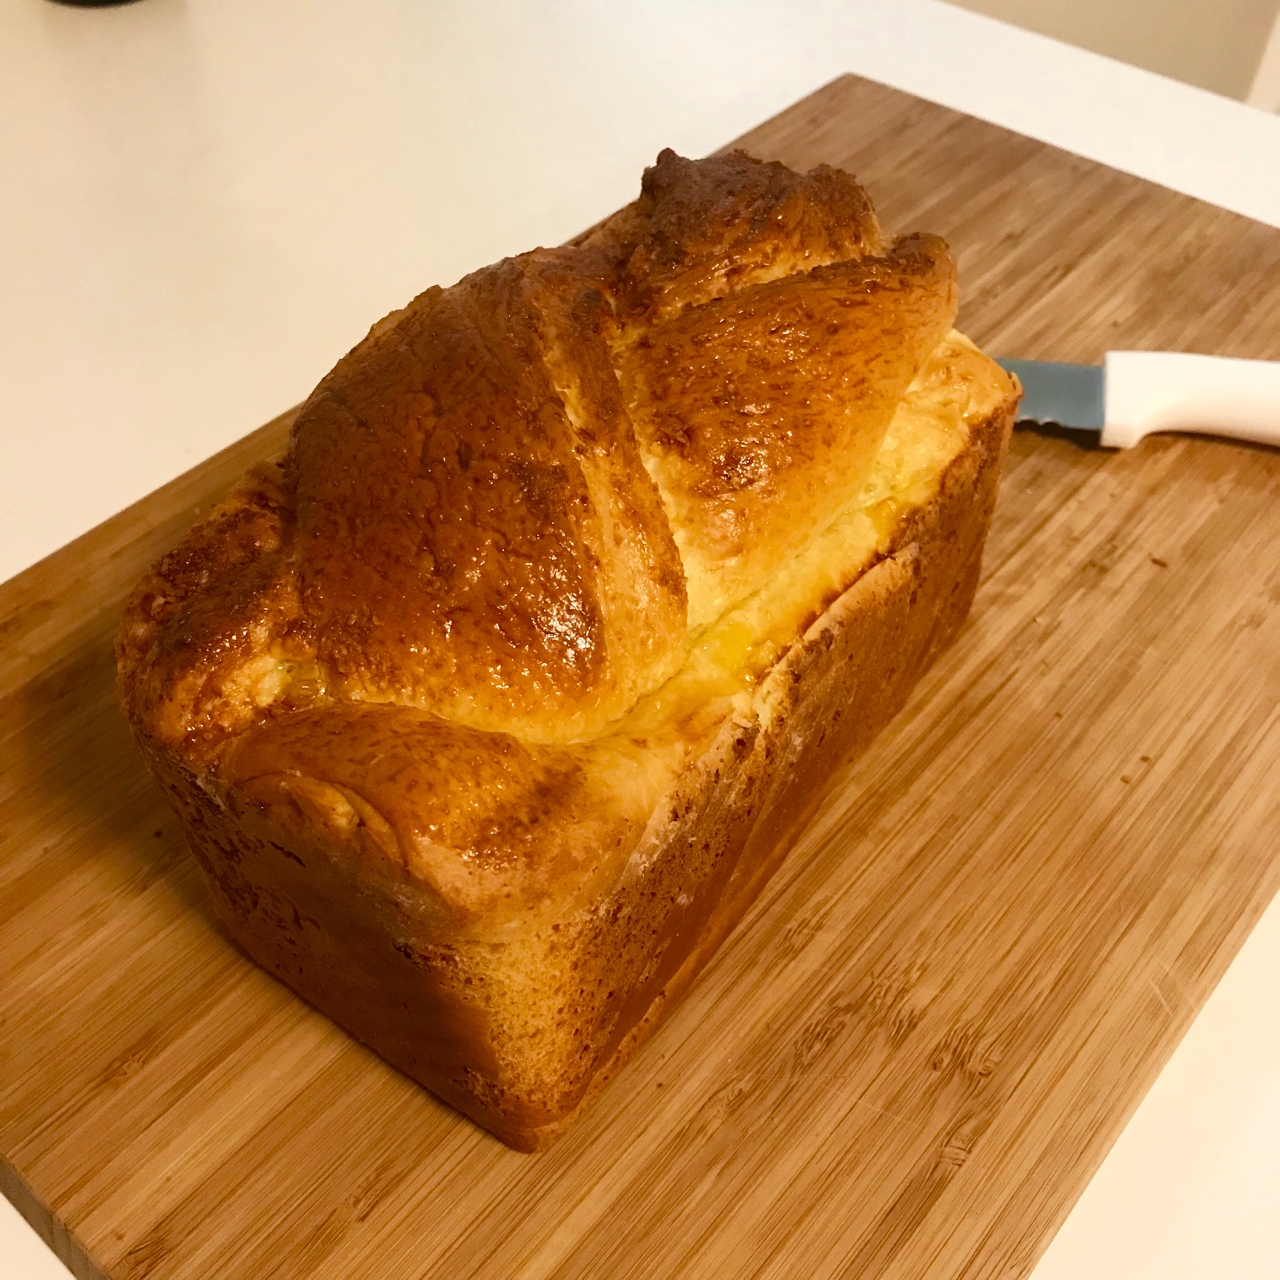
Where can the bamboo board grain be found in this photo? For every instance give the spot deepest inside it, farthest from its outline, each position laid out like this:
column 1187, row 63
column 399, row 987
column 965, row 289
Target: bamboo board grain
column 915, row 1050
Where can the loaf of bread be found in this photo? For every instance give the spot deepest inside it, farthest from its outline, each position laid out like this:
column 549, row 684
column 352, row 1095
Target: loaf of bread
column 489, row 710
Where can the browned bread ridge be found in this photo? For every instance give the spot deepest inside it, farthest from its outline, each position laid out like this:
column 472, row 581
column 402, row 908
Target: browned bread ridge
column 489, row 710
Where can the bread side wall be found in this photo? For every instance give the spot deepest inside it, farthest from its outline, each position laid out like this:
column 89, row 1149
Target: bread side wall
column 822, row 706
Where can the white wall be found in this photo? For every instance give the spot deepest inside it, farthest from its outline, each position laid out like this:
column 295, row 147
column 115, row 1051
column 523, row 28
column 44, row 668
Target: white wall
column 1216, row 44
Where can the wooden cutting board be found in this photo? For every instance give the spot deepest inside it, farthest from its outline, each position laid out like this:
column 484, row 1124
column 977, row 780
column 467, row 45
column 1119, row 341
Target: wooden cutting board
column 912, row 1055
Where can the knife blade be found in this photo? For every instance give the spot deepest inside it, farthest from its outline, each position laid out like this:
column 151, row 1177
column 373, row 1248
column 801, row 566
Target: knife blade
column 1134, row 393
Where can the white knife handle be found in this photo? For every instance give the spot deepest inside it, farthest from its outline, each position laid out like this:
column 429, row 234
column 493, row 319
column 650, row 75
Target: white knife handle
column 1150, row 391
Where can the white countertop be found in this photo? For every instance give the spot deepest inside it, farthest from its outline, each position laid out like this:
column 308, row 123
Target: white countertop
column 205, row 202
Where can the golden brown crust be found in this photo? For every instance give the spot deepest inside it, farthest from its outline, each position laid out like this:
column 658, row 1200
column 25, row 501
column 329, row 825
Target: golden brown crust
column 809, row 370
column 401, row 787
column 427, row 697
column 497, row 506
column 204, row 610
column 473, row 537
column 703, row 229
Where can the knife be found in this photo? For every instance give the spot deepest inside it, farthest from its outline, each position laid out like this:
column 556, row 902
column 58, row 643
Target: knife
column 1133, row 393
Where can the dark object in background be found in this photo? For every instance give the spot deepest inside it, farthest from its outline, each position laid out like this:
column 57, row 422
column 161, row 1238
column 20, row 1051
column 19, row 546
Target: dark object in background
column 92, row 4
